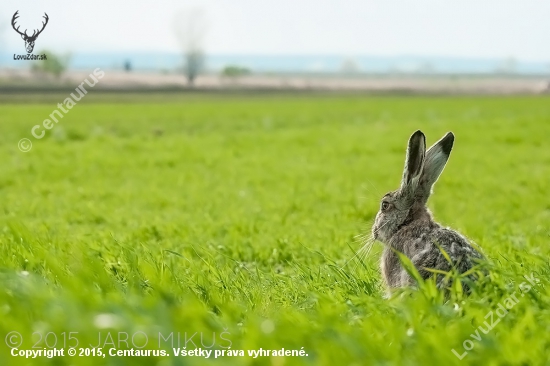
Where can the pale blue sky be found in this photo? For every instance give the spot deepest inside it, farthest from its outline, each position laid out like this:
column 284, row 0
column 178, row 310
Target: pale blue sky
column 463, row 28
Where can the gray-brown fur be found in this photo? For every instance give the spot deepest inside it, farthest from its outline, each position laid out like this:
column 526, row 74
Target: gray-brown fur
column 405, row 224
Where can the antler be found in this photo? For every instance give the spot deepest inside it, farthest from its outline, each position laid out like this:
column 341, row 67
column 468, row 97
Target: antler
column 43, row 26
column 15, row 16
column 44, row 23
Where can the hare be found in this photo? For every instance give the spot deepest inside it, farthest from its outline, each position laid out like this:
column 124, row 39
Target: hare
column 404, row 223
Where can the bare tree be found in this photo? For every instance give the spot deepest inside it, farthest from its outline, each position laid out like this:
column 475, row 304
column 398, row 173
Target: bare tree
column 190, row 29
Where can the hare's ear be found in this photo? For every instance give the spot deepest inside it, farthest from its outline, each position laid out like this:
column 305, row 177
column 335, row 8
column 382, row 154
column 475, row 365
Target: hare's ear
column 436, row 158
column 414, row 162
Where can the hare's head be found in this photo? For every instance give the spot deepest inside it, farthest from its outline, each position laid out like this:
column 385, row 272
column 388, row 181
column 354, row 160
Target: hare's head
column 408, row 203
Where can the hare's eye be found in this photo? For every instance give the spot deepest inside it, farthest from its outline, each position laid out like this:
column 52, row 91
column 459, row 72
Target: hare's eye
column 385, row 205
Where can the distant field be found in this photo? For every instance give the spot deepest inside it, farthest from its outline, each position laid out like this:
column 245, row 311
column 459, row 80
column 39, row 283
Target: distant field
column 235, row 219
column 375, row 83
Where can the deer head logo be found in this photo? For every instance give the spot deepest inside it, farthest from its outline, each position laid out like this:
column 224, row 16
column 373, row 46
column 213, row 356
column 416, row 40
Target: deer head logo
column 29, row 40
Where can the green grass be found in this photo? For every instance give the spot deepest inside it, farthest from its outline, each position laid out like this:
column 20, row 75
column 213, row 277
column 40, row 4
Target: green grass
column 240, row 214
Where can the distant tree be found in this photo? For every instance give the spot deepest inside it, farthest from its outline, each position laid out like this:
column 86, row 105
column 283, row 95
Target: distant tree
column 190, row 29
column 507, row 66
column 235, row 71
column 54, row 64
column 426, row 67
column 350, row 66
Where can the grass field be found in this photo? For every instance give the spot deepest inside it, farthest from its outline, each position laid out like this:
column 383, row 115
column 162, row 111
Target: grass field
column 233, row 221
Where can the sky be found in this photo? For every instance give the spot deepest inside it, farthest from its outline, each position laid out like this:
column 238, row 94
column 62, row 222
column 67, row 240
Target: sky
column 458, row 28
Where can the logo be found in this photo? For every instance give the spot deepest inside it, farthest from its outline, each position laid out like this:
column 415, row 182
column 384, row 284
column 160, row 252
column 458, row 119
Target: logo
column 29, row 40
